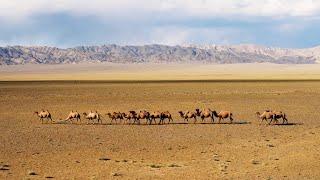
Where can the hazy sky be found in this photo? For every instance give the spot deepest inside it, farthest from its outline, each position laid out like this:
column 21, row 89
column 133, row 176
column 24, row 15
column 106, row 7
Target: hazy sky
column 67, row 23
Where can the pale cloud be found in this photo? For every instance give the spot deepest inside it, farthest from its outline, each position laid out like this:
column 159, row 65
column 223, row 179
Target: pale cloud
column 21, row 9
column 66, row 23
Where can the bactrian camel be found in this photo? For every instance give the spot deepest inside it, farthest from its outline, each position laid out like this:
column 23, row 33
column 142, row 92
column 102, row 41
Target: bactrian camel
column 222, row 115
column 188, row 115
column 206, row 113
column 165, row 115
column 43, row 115
column 153, row 116
column 143, row 115
column 91, row 116
column 73, row 115
column 272, row 115
column 115, row 116
column 131, row 115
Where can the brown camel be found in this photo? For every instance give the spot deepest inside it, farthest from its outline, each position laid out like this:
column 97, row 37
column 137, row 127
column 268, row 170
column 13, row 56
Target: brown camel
column 188, row 115
column 73, row 115
column 223, row 114
column 272, row 115
column 153, row 116
column 143, row 115
column 130, row 115
column 280, row 114
column 206, row 113
column 165, row 115
column 43, row 115
column 91, row 116
column 115, row 116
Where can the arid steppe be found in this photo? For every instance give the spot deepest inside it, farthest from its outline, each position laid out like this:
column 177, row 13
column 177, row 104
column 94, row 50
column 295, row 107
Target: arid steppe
column 244, row 149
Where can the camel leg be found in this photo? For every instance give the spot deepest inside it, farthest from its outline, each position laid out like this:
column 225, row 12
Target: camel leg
column 219, row 120
column 171, row 120
column 231, row 119
column 195, row 120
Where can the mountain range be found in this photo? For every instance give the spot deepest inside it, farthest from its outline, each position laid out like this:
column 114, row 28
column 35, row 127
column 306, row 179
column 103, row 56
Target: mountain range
column 218, row 54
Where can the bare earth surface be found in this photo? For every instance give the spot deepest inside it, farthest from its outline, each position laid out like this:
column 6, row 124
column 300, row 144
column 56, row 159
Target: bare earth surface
column 243, row 150
column 110, row 71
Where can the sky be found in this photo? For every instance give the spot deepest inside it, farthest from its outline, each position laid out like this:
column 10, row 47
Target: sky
column 69, row 23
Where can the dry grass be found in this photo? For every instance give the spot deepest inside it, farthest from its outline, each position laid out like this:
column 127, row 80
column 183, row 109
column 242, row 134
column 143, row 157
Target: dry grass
column 201, row 151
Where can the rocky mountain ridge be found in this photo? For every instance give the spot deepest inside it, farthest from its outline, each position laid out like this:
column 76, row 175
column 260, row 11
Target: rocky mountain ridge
column 219, row 54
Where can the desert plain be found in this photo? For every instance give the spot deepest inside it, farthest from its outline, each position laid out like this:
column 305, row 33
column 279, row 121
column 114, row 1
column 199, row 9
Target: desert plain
column 245, row 149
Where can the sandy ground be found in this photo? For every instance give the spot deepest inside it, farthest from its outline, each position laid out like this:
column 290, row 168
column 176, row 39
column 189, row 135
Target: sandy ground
column 109, row 71
column 244, row 150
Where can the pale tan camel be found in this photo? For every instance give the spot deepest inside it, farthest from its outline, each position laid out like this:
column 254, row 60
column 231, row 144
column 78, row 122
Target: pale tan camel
column 165, row 115
column 206, row 113
column 222, row 115
column 188, row 115
column 91, row 116
column 143, row 115
column 272, row 115
column 73, row 115
column 43, row 115
column 115, row 116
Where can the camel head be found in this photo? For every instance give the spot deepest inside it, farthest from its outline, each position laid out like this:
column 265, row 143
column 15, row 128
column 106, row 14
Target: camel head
column 85, row 113
column 181, row 113
column 258, row 113
column 35, row 112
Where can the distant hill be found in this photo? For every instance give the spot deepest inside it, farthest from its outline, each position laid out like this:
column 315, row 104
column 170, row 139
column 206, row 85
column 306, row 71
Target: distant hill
column 217, row 54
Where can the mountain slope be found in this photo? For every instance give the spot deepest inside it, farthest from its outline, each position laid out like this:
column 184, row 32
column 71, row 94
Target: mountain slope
column 11, row 55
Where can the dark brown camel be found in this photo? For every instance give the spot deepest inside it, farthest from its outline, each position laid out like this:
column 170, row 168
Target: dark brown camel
column 115, row 116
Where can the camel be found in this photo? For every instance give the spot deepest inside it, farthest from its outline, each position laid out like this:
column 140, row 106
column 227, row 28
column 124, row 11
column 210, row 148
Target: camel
column 91, row 116
column 73, row 115
column 131, row 115
column 206, row 113
column 165, row 115
column 272, row 115
column 223, row 114
column 154, row 116
column 115, row 116
column 280, row 114
column 143, row 115
column 188, row 115
column 43, row 115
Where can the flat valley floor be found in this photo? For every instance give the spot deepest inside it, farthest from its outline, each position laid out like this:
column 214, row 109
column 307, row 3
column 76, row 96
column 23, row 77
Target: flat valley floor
column 243, row 150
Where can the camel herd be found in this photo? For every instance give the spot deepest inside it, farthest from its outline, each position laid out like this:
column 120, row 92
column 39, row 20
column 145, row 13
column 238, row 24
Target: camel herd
column 133, row 117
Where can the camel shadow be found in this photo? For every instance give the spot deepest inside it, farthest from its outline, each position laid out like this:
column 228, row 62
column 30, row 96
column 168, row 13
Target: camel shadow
column 288, row 124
